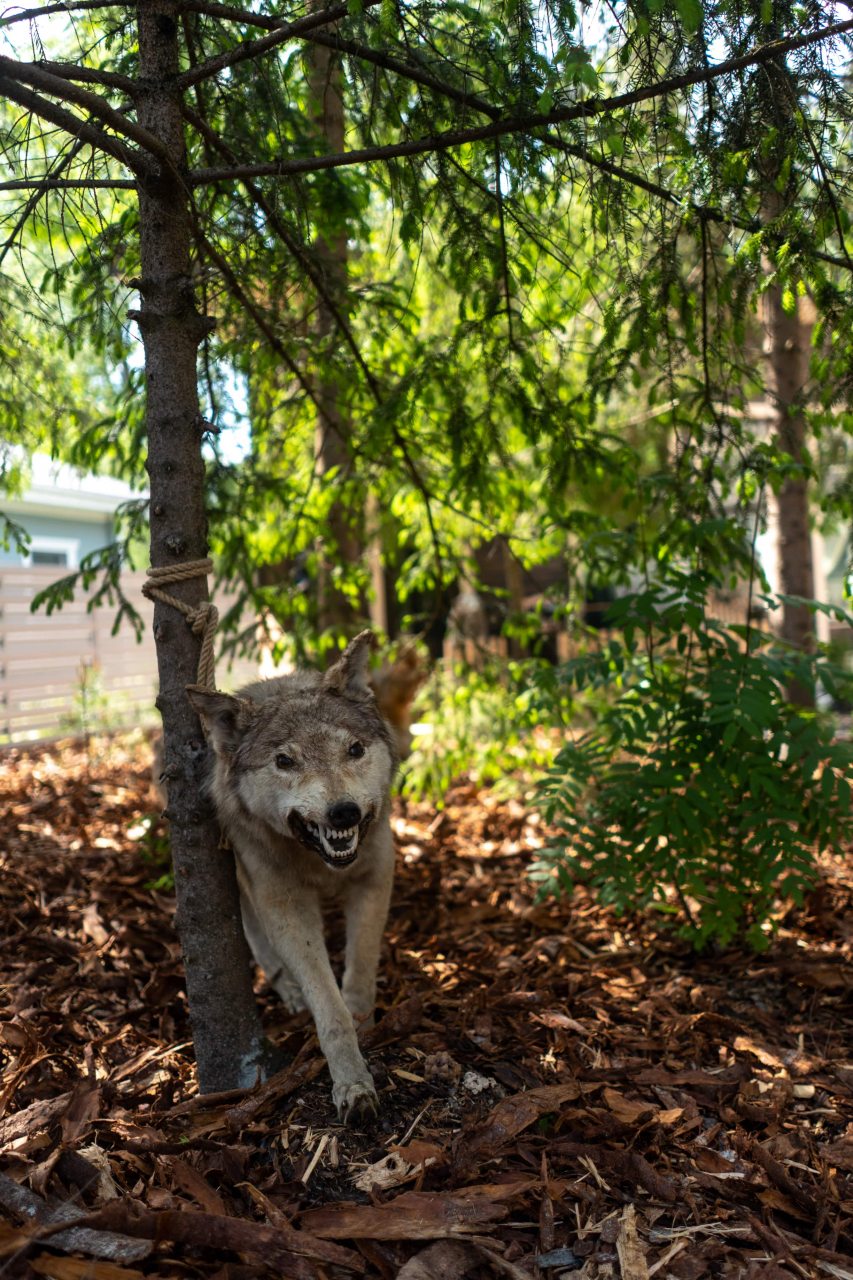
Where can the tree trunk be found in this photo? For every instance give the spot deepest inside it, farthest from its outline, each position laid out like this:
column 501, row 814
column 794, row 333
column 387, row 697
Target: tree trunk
column 333, row 431
column 788, row 369
column 787, row 350
column 226, row 1028
column 788, row 359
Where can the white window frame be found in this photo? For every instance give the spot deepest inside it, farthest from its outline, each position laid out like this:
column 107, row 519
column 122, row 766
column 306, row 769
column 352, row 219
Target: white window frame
column 70, row 546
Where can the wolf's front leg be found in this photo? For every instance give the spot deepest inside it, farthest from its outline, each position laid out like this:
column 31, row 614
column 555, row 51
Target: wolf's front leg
column 366, row 910
column 275, row 971
column 295, row 929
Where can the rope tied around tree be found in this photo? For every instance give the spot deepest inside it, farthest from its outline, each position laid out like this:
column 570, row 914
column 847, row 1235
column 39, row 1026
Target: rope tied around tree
column 202, row 618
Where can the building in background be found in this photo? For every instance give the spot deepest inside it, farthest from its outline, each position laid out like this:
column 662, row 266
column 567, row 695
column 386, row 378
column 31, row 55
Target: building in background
column 65, row 672
column 65, row 513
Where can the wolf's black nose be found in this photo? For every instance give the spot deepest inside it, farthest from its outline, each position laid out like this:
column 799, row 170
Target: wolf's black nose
column 343, row 815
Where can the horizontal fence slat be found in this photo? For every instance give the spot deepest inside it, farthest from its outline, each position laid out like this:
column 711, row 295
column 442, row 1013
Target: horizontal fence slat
column 45, row 659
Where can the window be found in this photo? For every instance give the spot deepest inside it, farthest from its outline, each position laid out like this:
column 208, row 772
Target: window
column 59, row 552
column 49, row 557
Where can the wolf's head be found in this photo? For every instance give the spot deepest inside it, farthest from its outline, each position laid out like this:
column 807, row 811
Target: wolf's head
column 308, row 755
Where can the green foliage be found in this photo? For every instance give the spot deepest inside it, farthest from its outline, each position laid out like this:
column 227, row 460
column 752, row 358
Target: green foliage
column 94, row 710
column 700, row 791
column 484, row 725
column 154, row 850
column 106, row 564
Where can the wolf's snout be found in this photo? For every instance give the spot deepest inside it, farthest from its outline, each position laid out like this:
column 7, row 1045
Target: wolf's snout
column 343, row 815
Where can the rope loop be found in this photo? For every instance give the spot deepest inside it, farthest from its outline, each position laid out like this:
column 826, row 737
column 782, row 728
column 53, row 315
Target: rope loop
column 202, row 619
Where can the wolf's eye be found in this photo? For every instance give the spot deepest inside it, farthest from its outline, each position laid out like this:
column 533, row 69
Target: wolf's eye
column 284, row 761
column 356, row 750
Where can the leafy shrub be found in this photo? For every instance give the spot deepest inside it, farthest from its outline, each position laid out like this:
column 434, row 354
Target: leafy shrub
column 485, row 724
column 701, row 791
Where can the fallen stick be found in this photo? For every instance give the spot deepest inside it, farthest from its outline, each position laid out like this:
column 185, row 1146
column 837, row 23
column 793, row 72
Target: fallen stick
column 31, row 1209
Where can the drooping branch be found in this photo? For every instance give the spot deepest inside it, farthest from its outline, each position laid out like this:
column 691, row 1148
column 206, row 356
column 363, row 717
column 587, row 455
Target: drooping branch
column 62, row 162
column 705, row 212
column 255, row 48
column 587, row 109
column 354, row 48
column 297, row 250
column 65, row 6
column 89, row 75
column 244, row 299
column 69, row 184
column 37, row 77
column 137, row 162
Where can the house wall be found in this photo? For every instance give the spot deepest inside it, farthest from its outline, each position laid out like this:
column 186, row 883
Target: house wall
column 90, row 534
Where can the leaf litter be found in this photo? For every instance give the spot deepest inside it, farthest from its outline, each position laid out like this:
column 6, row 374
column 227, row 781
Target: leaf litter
column 563, row 1093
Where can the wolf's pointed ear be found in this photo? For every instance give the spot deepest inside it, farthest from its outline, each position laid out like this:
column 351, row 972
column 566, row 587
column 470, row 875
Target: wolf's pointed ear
column 223, row 717
column 350, row 673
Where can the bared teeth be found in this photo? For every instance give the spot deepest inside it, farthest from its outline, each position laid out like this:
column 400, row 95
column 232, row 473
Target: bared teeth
column 336, row 844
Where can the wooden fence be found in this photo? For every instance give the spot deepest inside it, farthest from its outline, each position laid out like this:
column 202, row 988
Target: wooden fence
column 66, row 673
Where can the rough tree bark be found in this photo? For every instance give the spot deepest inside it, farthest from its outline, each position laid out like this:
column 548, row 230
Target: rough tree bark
column 788, row 373
column 334, row 609
column 226, row 1028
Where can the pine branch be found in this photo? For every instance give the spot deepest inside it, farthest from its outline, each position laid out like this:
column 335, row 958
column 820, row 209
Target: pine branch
column 588, row 109
column 244, row 299
column 45, row 10
column 37, row 77
column 54, row 114
column 353, row 48
column 48, row 183
column 297, row 250
column 254, row 48
column 90, row 75
column 62, row 163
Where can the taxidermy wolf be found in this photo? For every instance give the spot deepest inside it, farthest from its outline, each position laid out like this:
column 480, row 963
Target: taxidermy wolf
column 301, row 778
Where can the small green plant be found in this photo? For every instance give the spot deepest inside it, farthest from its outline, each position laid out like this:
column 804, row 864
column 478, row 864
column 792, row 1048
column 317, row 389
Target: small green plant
column 483, row 724
column 700, row 791
column 154, row 850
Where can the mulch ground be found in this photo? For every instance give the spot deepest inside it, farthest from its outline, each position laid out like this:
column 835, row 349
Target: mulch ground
column 562, row 1093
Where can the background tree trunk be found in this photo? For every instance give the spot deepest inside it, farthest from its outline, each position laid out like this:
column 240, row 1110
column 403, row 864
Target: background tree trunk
column 788, row 373
column 226, row 1029
column 787, row 351
column 334, row 610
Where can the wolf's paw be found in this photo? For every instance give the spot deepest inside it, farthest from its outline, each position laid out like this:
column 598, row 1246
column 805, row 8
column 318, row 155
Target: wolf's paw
column 356, row 1100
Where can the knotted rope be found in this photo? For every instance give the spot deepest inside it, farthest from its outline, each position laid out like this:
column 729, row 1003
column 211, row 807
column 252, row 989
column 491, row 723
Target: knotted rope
column 203, row 618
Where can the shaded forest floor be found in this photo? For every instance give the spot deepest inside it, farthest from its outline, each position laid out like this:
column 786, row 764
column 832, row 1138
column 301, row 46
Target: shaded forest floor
column 561, row 1092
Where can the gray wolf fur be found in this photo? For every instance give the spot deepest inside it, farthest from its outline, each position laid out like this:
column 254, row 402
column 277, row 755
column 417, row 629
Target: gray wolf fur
column 301, row 778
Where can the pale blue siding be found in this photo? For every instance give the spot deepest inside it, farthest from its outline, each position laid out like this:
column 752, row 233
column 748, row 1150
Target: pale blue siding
column 91, row 534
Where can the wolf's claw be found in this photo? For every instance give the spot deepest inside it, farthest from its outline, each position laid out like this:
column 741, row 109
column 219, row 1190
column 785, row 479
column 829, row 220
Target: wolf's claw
column 356, row 1101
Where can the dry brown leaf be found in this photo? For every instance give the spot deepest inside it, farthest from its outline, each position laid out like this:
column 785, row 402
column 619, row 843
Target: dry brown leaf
column 671, row 1116
column 626, row 1110
column 418, row 1152
column 774, row 1199
column 392, row 1170
column 186, row 1178
column 766, row 1056
column 560, row 1021
column 512, row 1116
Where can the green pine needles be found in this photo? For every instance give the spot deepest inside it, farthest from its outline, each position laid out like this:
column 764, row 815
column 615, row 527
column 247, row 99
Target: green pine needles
column 701, row 791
